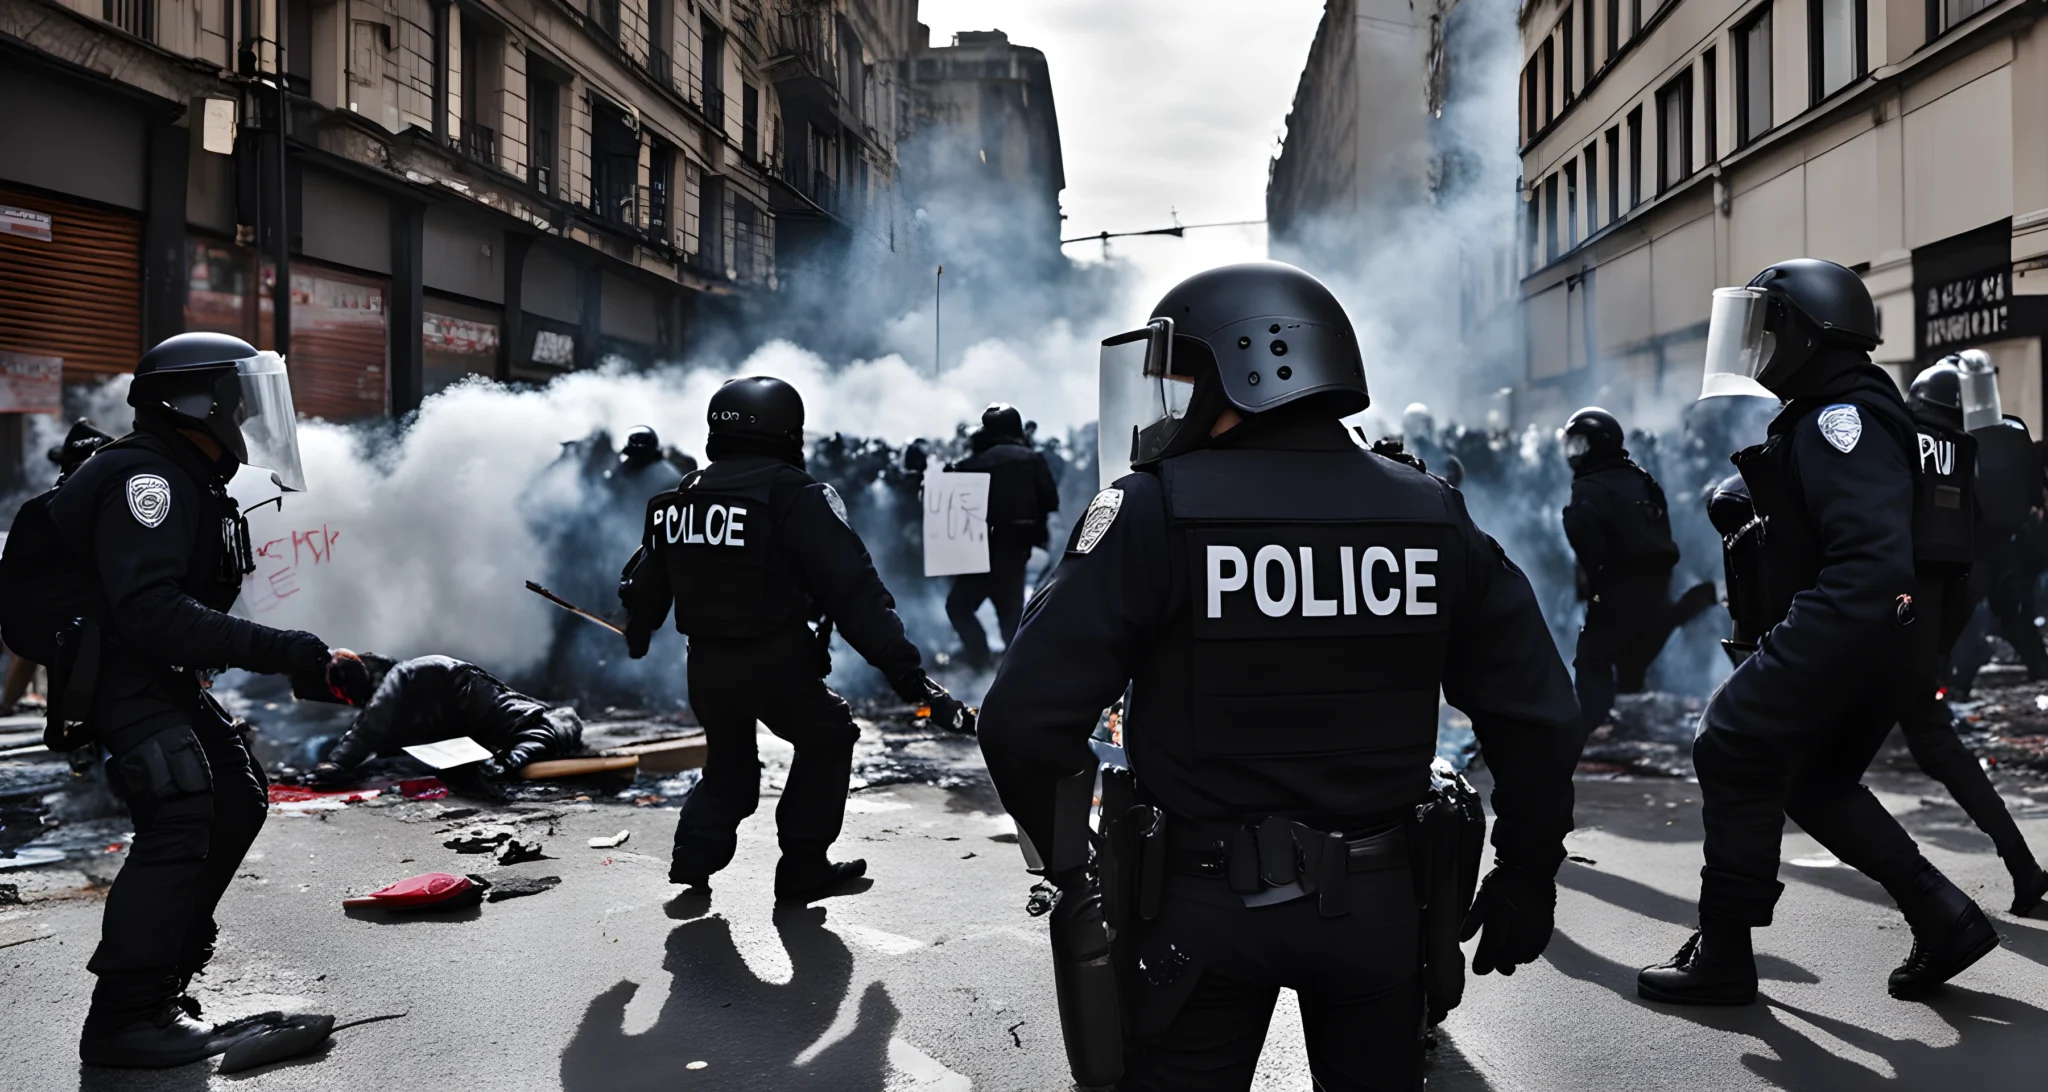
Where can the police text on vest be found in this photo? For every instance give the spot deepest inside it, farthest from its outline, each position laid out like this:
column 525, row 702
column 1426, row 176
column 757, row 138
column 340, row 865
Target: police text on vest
column 1376, row 578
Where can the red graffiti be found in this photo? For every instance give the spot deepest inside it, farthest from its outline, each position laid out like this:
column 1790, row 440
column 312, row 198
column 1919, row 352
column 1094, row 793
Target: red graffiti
column 277, row 576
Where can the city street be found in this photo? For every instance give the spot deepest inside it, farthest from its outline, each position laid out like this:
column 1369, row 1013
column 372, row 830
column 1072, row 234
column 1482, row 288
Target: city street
column 933, row 977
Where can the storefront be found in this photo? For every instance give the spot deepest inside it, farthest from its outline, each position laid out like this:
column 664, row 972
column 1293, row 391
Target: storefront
column 70, row 284
column 339, row 349
column 458, row 339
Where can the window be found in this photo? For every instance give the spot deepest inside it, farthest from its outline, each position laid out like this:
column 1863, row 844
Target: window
column 1534, row 233
column 1635, row 157
column 711, row 225
column 1835, row 34
column 1753, row 77
column 1635, row 18
column 478, row 140
column 750, row 122
column 1674, row 132
column 543, row 113
column 1710, row 116
column 1549, row 80
column 660, row 25
column 1943, row 14
column 604, row 15
column 1586, row 24
column 661, row 173
column 1571, row 205
column 714, row 74
column 1592, row 188
column 614, row 164
column 1550, row 220
column 1614, row 174
column 1613, row 28
column 1532, row 110
column 1564, row 34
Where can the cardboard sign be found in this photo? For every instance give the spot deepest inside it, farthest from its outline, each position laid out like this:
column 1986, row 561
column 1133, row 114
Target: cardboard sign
column 955, row 523
column 30, row 383
column 449, row 753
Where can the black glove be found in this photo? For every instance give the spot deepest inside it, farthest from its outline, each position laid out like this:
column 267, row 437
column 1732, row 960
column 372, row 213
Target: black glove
column 323, row 775
column 1517, row 908
column 637, row 639
column 514, row 759
column 951, row 713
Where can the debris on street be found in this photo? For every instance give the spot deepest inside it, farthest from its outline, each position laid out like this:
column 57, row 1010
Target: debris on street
column 549, row 769
column 520, row 886
column 478, row 841
column 423, row 788
column 521, row 852
column 618, row 839
column 429, row 891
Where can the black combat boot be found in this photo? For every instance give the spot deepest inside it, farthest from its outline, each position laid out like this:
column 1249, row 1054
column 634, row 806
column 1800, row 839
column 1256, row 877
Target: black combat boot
column 1950, row 932
column 137, row 1022
column 806, row 878
column 2028, row 891
column 1716, row 966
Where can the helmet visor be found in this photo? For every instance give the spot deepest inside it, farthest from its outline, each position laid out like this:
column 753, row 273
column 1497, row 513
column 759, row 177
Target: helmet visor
column 269, row 426
column 1138, row 391
column 1737, row 344
column 1575, row 447
column 1981, row 408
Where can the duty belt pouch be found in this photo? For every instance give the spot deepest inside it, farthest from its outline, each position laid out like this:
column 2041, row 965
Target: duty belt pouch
column 74, row 677
column 1447, row 837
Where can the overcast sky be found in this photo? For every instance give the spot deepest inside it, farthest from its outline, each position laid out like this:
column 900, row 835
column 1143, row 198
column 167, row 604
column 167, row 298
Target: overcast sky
column 1163, row 105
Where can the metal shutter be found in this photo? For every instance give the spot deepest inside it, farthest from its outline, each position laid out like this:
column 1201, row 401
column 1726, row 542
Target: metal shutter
column 77, row 295
column 338, row 355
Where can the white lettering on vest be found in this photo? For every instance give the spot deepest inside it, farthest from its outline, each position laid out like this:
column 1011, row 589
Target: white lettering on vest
column 1941, row 452
column 1311, row 607
column 1345, row 556
column 1418, row 580
column 714, row 525
column 1374, row 556
column 1220, row 583
column 672, row 528
column 735, row 526
column 1268, row 605
column 690, row 533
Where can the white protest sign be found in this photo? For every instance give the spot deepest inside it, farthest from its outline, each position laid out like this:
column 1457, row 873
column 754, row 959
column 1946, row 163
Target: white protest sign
column 955, row 523
column 449, row 753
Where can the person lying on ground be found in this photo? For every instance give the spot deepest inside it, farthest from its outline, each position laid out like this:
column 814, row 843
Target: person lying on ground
column 428, row 699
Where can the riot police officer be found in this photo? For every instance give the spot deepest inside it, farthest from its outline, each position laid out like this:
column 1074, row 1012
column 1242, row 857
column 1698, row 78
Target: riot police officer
column 1845, row 601
column 1021, row 495
column 759, row 563
column 2006, row 477
column 1282, row 606
column 1620, row 528
column 145, row 549
column 1419, row 438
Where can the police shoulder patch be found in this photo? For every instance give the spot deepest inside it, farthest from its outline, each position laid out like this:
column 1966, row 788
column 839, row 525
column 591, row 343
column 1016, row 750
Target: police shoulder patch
column 1841, row 425
column 149, row 499
column 1096, row 522
column 837, row 505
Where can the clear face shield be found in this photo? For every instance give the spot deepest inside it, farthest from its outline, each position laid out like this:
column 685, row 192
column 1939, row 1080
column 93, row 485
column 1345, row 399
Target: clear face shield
column 1575, row 447
column 268, row 424
column 1138, row 395
column 1738, row 346
column 1981, row 408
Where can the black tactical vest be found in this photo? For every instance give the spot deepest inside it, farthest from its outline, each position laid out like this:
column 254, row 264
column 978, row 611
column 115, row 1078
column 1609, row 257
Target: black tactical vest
column 715, row 542
column 2008, row 476
column 1320, row 604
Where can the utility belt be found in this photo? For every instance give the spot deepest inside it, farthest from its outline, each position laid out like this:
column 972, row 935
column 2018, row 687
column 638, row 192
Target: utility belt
column 86, row 658
column 1279, row 860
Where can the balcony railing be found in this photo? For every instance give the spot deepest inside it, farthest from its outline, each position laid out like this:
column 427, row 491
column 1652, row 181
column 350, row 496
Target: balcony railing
column 714, row 107
column 480, row 142
column 137, row 17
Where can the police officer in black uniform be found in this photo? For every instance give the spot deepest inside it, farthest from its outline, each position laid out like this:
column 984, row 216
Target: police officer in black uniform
column 1846, row 601
column 1283, row 607
column 1964, row 387
column 2007, row 479
column 1620, row 528
column 1021, row 495
column 758, row 561
column 145, row 545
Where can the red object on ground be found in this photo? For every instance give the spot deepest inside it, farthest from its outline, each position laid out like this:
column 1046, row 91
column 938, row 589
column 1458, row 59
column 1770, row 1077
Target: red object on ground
column 293, row 794
column 422, row 788
column 424, row 890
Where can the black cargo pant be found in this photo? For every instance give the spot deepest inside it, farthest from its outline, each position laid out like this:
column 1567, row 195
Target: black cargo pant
column 1213, row 969
column 1930, row 733
column 198, row 800
column 2005, row 578
column 1751, row 782
column 1626, row 626
column 1002, row 584
column 779, row 682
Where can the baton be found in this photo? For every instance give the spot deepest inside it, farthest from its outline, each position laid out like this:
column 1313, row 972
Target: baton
column 571, row 607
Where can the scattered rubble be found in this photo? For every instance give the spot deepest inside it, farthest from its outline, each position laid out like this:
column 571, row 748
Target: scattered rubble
column 478, row 841
column 615, row 840
column 521, row 852
column 515, row 887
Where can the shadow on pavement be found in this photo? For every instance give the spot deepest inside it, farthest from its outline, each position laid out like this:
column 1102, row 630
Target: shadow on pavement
column 746, row 1032
column 185, row 1078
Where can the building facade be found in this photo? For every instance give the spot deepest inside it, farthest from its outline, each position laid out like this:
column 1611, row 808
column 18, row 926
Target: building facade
column 507, row 188
column 984, row 129
column 1669, row 150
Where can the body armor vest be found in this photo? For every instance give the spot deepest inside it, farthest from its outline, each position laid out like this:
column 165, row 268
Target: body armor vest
column 1640, row 534
column 714, row 540
column 2008, row 476
column 1322, row 590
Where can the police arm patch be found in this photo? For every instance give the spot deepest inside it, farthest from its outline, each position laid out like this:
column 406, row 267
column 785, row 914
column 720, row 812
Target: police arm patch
column 838, row 506
column 149, row 499
column 1841, row 425
column 1096, row 522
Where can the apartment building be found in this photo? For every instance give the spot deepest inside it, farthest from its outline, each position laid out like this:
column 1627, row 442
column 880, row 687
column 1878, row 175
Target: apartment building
column 984, row 128
column 508, row 188
column 1670, row 149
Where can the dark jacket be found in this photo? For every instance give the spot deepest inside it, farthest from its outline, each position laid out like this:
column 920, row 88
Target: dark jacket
column 432, row 698
column 1021, row 492
column 1617, row 521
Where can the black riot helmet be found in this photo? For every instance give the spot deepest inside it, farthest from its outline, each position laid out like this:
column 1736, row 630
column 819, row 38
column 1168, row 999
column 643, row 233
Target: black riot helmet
column 1802, row 323
column 643, row 446
column 1254, row 336
column 1938, row 392
column 1592, row 433
column 83, row 439
column 1002, row 423
column 222, row 386
column 757, row 415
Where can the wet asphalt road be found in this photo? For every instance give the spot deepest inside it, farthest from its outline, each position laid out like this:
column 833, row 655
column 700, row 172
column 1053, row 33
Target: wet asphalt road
column 933, row 977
